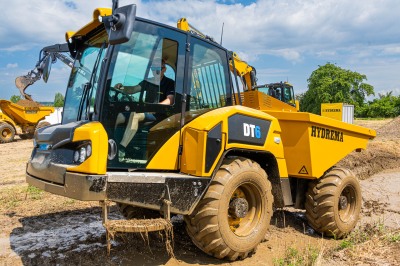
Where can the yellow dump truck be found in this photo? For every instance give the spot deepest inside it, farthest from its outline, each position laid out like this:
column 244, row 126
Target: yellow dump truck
column 153, row 123
column 22, row 119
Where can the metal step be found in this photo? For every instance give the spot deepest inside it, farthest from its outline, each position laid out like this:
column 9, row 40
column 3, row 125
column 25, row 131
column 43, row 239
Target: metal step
column 137, row 225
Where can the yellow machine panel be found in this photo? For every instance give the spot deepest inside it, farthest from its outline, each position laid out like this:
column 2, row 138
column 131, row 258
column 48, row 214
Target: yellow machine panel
column 166, row 157
column 97, row 162
column 260, row 101
column 195, row 136
column 91, row 25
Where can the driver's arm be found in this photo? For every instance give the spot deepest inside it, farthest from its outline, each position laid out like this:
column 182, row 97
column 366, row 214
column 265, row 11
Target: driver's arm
column 169, row 100
column 128, row 89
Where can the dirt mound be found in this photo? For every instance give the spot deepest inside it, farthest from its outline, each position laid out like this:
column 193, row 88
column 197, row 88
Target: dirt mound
column 26, row 103
column 377, row 157
column 381, row 153
column 390, row 131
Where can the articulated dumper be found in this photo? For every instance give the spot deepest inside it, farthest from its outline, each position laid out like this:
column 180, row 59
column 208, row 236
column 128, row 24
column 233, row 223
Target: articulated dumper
column 224, row 152
column 21, row 118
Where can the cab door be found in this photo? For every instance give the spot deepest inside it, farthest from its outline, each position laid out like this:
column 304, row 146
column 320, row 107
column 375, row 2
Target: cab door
column 143, row 132
column 208, row 89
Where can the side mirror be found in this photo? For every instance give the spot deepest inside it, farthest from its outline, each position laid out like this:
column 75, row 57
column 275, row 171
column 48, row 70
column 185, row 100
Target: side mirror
column 119, row 25
column 46, row 67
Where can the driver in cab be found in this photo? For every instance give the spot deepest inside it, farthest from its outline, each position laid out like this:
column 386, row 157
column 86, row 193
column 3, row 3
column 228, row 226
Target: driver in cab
column 159, row 88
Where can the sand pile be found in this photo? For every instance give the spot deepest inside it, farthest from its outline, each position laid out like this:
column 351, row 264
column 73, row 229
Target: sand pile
column 390, row 131
column 382, row 153
column 26, row 103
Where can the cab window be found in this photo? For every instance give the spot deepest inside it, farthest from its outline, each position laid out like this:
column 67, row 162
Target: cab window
column 209, row 77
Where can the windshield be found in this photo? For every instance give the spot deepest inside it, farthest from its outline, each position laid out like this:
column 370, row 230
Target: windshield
column 82, row 85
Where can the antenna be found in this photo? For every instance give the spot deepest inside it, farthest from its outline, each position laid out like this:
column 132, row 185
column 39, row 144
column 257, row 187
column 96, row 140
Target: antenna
column 222, row 33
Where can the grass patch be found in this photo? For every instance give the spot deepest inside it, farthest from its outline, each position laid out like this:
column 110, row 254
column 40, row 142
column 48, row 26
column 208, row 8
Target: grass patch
column 11, row 197
column 69, row 202
column 294, row 257
column 371, row 244
column 33, row 193
column 363, row 234
column 393, row 237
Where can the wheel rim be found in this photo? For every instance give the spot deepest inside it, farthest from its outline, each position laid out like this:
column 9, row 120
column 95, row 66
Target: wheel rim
column 245, row 225
column 6, row 133
column 347, row 203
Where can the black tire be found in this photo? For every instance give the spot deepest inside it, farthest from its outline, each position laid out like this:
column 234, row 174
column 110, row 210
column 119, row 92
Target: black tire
column 133, row 212
column 26, row 136
column 214, row 229
column 7, row 133
column 333, row 203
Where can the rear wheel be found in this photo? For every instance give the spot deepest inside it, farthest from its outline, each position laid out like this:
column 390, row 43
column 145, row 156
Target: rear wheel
column 235, row 213
column 7, row 133
column 133, row 212
column 333, row 203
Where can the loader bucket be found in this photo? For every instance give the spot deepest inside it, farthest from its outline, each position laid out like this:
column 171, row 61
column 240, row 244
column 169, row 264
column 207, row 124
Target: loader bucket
column 313, row 144
column 23, row 82
column 28, row 114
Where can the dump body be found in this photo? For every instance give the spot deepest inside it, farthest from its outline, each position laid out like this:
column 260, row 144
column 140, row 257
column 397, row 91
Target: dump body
column 22, row 115
column 313, row 144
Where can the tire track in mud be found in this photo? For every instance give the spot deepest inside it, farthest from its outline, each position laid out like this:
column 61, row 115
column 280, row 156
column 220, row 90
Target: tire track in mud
column 48, row 238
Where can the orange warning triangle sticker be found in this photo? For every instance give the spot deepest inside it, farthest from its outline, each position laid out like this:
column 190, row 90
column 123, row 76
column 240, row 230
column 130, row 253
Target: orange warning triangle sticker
column 303, row 170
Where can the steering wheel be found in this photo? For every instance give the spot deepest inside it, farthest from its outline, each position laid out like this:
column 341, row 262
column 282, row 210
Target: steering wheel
column 120, row 96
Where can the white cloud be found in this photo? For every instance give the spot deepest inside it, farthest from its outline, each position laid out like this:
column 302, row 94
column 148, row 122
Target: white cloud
column 297, row 27
column 350, row 33
column 392, row 50
column 12, row 65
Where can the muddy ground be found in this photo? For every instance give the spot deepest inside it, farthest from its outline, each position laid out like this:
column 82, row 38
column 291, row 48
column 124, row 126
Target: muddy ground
column 38, row 228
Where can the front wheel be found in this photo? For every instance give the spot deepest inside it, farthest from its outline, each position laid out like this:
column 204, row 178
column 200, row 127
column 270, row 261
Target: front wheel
column 234, row 215
column 7, row 133
column 333, row 203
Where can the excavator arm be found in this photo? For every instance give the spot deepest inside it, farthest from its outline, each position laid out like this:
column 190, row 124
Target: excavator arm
column 48, row 55
column 246, row 72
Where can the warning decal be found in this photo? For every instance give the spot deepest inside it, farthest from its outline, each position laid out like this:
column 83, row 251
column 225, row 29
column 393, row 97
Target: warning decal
column 303, row 170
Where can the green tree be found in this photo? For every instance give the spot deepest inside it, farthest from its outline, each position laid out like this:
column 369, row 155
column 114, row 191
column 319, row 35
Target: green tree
column 58, row 100
column 15, row 98
column 332, row 84
column 386, row 105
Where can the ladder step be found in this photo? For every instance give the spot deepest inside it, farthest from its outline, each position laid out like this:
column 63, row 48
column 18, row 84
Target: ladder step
column 137, row 225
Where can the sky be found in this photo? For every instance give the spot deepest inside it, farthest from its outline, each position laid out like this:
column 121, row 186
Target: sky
column 285, row 40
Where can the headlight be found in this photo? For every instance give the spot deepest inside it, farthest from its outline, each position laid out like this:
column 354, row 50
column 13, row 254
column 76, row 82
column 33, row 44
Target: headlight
column 76, row 156
column 82, row 153
column 88, row 150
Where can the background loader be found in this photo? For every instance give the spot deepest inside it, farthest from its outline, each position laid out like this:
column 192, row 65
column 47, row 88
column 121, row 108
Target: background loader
column 224, row 155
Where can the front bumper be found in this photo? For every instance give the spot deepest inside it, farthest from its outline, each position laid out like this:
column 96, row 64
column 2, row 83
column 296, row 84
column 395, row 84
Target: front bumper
column 146, row 190
column 76, row 186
